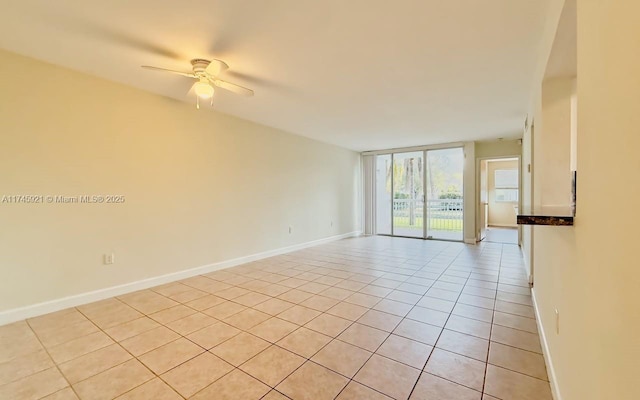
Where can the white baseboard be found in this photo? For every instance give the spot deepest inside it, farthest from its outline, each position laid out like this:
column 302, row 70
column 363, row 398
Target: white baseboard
column 46, row 307
column 551, row 372
column 470, row 241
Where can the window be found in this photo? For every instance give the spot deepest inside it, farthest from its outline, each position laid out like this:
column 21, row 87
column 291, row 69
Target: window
column 506, row 182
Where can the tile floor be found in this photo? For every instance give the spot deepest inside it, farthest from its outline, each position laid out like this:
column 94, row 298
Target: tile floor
column 365, row 318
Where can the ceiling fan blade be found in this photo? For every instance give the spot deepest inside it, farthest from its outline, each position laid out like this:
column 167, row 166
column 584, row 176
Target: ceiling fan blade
column 232, row 87
column 187, row 74
column 215, row 67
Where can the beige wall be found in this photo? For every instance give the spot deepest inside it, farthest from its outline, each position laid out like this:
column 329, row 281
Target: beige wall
column 590, row 272
column 500, row 213
column 200, row 186
column 498, row 148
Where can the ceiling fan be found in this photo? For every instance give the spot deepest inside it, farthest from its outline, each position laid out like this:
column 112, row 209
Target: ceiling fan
column 206, row 72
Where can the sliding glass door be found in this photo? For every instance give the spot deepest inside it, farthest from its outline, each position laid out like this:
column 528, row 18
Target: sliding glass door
column 408, row 194
column 445, row 168
column 383, row 194
column 419, row 194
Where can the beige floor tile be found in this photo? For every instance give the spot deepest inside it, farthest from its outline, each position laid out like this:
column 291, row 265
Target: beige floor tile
column 342, row 357
column 247, row 319
column 115, row 316
column 364, row 336
column 190, row 324
column 466, row 345
column 442, row 294
column 431, row 387
column 34, row 386
column 294, row 283
column 517, row 309
column 55, row 336
column 231, row 293
column 378, row 291
column 313, row 287
column 197, row 373
column 295, row 296
column 56, row 320
column 170, row 289
column 149, row 340
column 147, row 301
column 24, row 366
column 479, row 313
column 390, row 377
column 328, row 324
column 522, row 361
column 273, row 306
column 131, row 328
column 487, row 397
column 404, row 297
column 356, row 391
column 312, row 382
column 252, row 299
column 380, row 320
column 319, row 303
column 393, row 307
column 113, row 382
column 405, row 350
column 205, row 302
column 273, row 329
column 188, row 296
column 78, row 347
column 476, row 301
column 515, row 322
column 337, row 293
column 469, row 326
column 273, row 290
column 213, row 335
column 16, row 340
column 93, row 363
column 154, row 389
column 456, row 368
column 233, row 386
column 505, row 384
column 272, row 365
column 240, row 348
column 428, row 316
column 515, row 298
column 304, row 342
column 347, row 311
column 224, row 310
column 516, row 338
column 363, row 300
column 274, row 395
column 171, row 314
column 64, row 394
column 298, row 315
column 170, row 355
column 419, row 331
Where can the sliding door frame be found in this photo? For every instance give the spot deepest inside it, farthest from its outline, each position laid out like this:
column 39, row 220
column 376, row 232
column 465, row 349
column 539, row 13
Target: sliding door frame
column 424, row 150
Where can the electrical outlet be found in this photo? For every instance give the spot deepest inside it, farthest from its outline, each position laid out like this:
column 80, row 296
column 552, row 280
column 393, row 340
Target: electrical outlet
column 290, row 229
column 109, row 258
column 557, row 321
column 332, row 224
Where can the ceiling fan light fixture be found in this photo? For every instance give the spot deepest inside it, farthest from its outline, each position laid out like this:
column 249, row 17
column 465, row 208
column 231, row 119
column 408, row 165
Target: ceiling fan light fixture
column 203, row 89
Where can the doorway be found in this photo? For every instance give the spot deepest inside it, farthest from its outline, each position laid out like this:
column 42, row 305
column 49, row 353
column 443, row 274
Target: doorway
column 419, row 194
column 499, row 199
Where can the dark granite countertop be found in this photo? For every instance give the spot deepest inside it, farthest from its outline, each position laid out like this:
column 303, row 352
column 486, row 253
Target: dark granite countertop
column 550, row 215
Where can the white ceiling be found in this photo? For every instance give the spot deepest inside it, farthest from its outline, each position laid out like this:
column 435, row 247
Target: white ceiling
column 363, row 74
